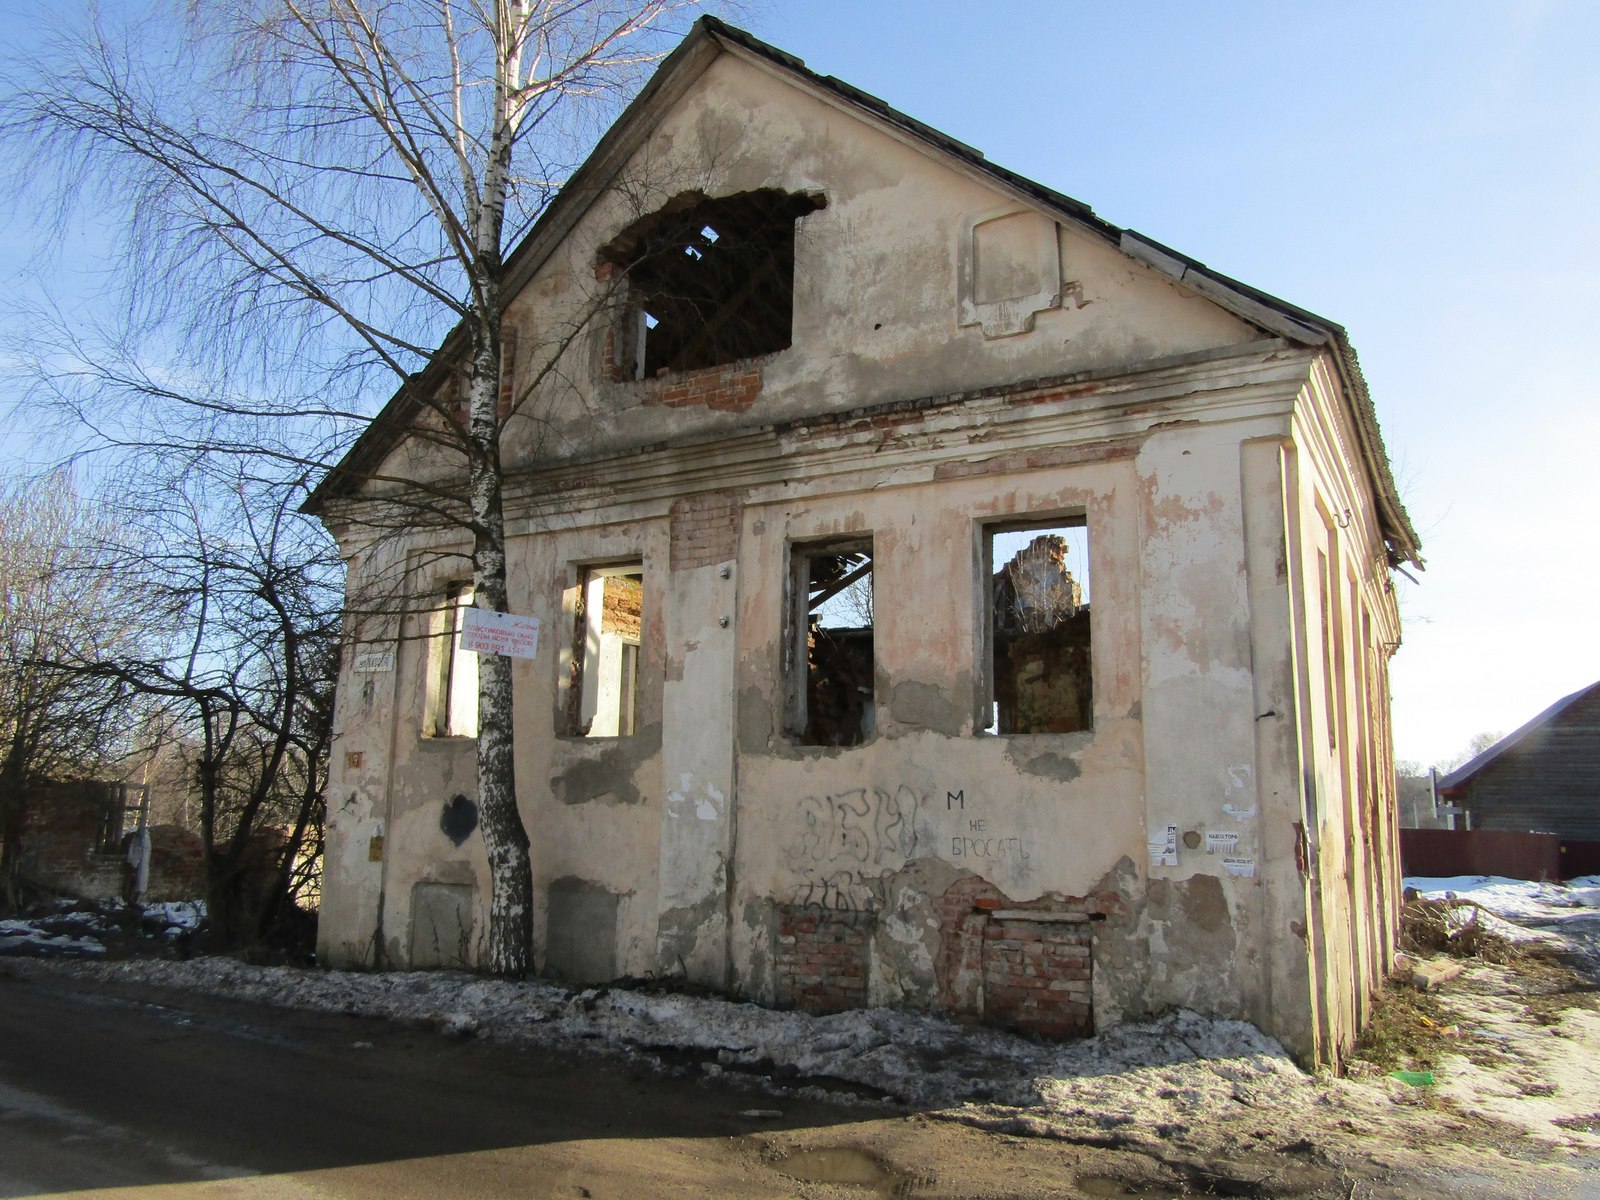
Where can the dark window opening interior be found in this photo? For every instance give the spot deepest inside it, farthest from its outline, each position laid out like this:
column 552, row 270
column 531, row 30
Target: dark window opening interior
column 603, row 700
column 1041, row 668
column 834, row 601
column 710, row 281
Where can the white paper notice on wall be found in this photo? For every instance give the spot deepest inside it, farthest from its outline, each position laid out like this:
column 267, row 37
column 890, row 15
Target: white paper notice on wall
column 1164, row 848
column 486, row 632
column 1221, row 841
column 368, row 661
column 1239, row 866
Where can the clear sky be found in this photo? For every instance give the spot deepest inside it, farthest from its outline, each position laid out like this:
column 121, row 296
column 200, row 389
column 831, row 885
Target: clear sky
column 1425, row 173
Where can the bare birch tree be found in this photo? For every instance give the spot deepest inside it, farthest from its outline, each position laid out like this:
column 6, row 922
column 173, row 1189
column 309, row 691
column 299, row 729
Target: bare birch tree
column 318, row 193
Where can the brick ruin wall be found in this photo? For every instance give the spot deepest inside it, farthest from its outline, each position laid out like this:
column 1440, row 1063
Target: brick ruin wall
column 1026, row 967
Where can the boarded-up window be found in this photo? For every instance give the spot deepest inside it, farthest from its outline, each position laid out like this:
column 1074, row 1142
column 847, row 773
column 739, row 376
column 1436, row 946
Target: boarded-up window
column 1040, row 663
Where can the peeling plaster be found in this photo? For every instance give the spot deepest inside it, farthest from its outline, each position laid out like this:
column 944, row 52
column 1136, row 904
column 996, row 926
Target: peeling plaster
column 1050, row 765
column 609, row 776
column 687, row 799
column 681, row 928
column 927, row 706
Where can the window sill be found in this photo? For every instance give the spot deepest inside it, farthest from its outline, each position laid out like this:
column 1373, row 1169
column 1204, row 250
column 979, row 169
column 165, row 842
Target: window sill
column 446, row 741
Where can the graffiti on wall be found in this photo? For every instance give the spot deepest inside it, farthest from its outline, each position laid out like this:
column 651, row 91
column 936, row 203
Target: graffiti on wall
column 848, row 842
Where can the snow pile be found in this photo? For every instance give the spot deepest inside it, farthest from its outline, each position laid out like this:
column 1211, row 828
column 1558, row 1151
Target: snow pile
column 1179, row 1068
column 1516, row 899
column 73, row 928
column 19, row 935
column 1523, row 910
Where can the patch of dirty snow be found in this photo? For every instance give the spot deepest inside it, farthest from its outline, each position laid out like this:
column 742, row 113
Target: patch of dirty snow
column 11, row 939
column 1545, row 1081
column 176, row 914
column 1513, row 898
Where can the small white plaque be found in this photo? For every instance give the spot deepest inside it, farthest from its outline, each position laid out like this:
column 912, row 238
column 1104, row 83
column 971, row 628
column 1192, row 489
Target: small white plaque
column 373, row 660
column 484, row 631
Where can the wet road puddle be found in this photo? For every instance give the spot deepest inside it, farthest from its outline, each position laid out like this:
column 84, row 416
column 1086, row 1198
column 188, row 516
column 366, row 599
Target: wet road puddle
column 846, row 1165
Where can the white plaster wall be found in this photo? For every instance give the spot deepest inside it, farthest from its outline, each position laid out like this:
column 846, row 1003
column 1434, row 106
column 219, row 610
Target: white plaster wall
column 875, row 315
column 1199, row 479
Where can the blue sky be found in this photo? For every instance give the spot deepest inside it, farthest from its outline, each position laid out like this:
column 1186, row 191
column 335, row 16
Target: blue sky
column 1426, row 174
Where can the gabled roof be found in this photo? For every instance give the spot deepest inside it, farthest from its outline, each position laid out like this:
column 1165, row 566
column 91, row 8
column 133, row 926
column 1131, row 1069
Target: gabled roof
column 709, row 38
column 1463, row 774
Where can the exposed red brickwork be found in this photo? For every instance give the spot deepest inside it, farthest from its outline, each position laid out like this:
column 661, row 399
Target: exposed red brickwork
column 177, row 865
column 1036, row 977
column 610, row 364
column 508, row 370
column 730, row 387
column 822, row 958
column 622, row 606
column 1029, row 969
column 958, row 969
column 705, row 530
column 60, row 841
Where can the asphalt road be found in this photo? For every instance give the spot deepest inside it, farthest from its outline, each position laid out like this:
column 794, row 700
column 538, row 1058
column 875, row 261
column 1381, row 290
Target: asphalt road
column 199, row 1097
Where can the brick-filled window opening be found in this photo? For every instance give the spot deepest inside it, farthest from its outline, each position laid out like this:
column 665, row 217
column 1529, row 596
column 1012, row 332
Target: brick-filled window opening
column 1041, row 675
column 710, row 281
column 603, row 700
column 831, row 658
column 453, row 688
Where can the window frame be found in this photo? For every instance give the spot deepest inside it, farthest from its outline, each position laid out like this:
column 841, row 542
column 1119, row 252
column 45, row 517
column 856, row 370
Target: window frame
column 985, row 721
column 445, row 663
column 795, row 665
column 578, row 675
column 747, row 236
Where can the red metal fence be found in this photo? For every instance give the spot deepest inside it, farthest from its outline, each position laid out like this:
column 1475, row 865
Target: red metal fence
column 1441, row 852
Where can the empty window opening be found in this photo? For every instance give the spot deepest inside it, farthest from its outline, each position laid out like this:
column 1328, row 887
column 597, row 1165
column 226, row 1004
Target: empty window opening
column 710, row 281
column 1039, row 655
column 605, row 652
column 832, row 696
column 453, row 711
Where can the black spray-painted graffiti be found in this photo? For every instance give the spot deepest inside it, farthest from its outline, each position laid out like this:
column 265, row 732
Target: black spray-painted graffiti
column 849, row 842
column 979, row 841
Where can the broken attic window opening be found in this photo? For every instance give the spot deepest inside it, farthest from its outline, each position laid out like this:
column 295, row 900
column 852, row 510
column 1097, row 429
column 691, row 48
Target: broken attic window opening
column 832, row 693
column 710, row 281
column 605, row 651
column 453, row 699
column 1040, row 665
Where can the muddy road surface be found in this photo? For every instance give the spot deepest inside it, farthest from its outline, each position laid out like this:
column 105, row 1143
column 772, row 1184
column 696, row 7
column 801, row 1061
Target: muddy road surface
column 123, row 1091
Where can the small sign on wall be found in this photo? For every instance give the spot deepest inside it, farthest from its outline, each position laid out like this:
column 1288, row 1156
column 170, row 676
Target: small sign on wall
column 484, row 631
column 1164, row 847
column 1221, row 841
column 369, row 661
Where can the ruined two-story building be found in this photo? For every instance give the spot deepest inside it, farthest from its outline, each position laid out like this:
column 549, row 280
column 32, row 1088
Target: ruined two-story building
column 948, row 599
